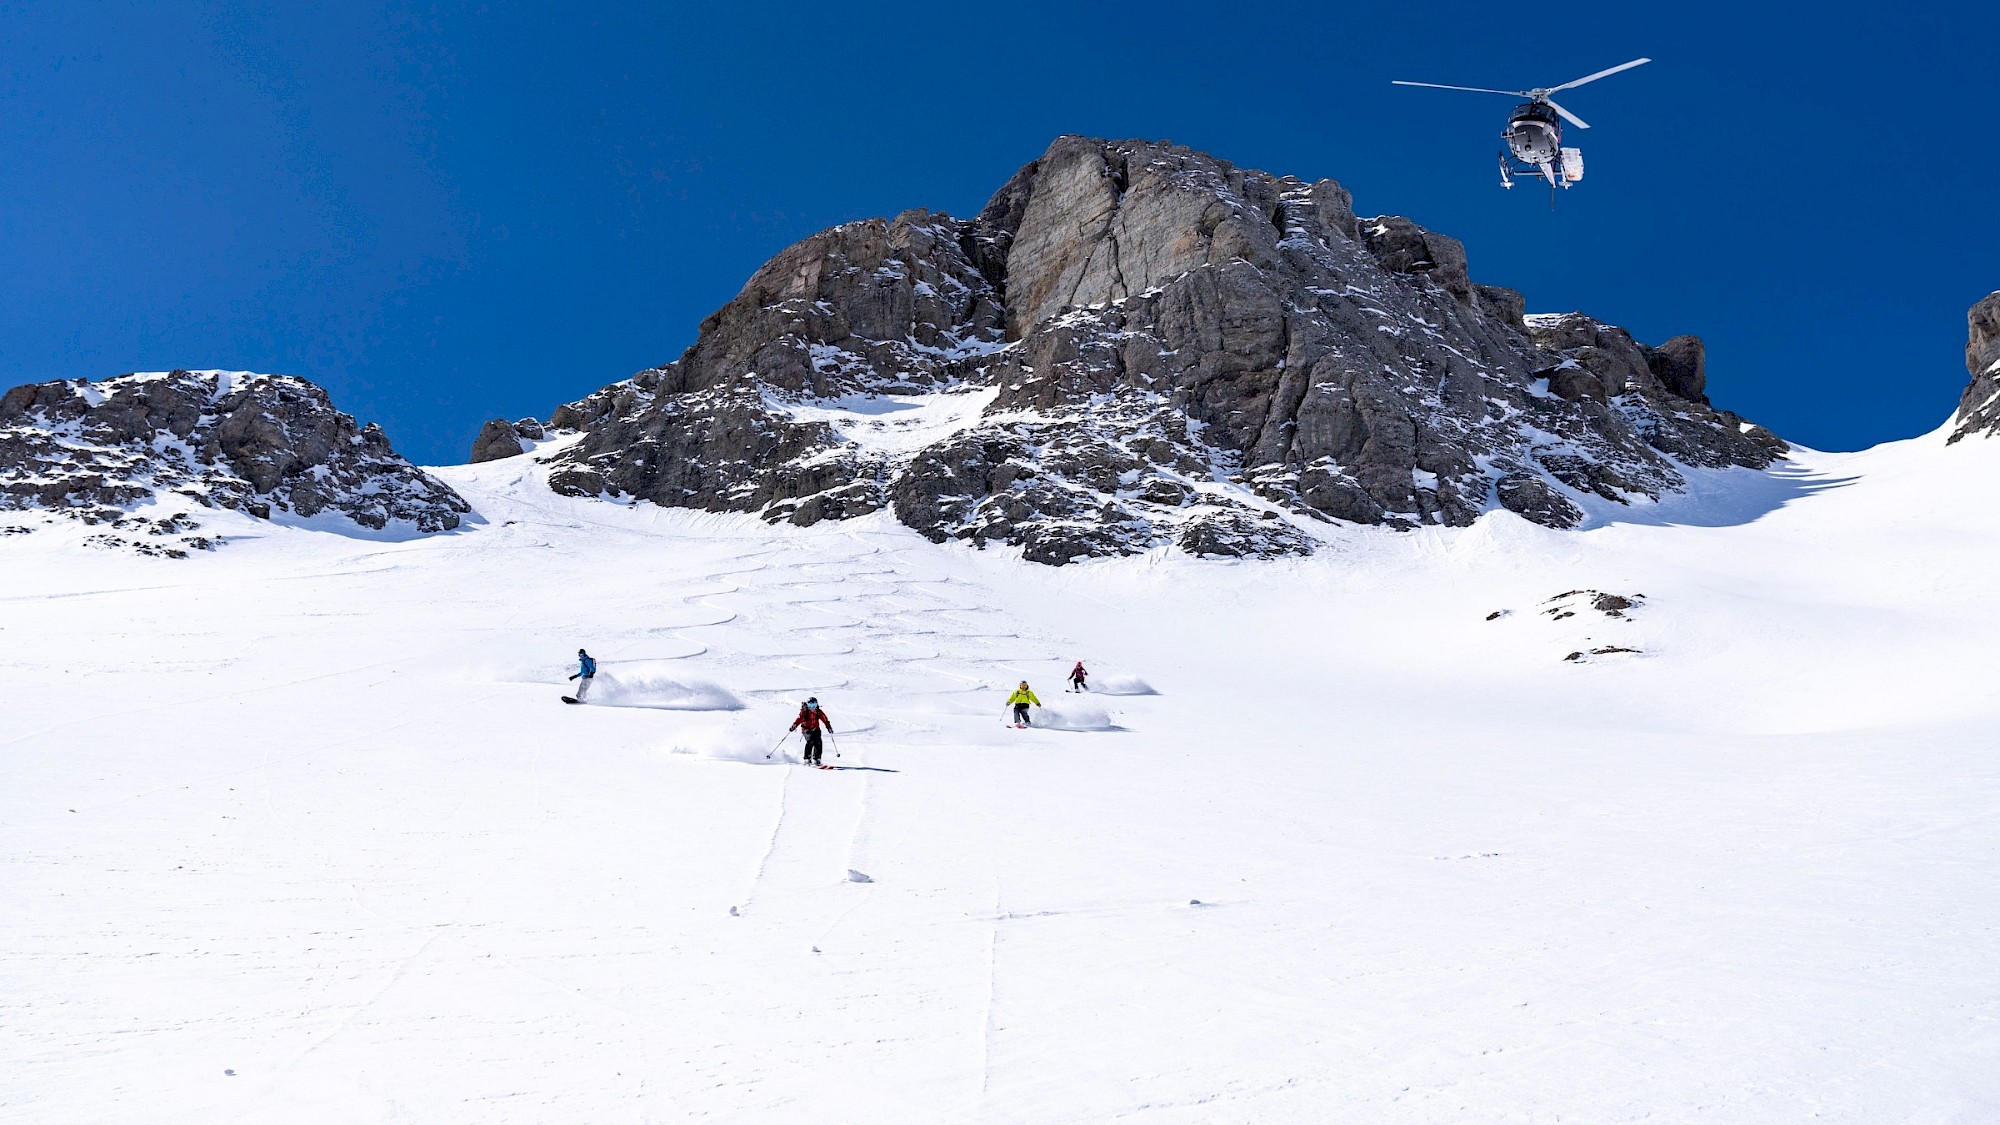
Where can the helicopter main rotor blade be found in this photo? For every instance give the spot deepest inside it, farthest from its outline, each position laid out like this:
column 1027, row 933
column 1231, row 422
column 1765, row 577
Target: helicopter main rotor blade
column 1598, row 75
column 1468, row 89
column 1567, row 115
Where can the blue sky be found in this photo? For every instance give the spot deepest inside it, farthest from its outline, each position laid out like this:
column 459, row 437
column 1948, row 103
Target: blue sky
column 447, row 212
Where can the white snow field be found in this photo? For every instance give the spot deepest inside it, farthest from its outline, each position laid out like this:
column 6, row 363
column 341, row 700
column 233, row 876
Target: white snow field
column 299, row 831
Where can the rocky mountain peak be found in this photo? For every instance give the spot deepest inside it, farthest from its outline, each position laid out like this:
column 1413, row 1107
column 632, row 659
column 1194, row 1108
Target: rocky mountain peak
column 1093, row 222
column 143, row 453
column 1135, row 344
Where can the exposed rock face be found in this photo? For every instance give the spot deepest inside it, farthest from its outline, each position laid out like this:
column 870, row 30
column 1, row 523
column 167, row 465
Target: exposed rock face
column 1979, row 409
column 890, row 307
column 1681, row 366
column 1173, row 351
column 261, row 444
column 500, row 438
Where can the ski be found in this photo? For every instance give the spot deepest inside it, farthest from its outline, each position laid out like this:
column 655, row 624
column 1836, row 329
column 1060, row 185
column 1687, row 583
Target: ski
column 571, row 699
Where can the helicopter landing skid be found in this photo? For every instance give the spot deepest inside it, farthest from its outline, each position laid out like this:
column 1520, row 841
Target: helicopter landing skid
column 1511, row 169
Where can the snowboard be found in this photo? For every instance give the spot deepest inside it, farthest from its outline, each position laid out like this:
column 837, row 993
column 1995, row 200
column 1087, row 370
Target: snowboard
column 571, row 699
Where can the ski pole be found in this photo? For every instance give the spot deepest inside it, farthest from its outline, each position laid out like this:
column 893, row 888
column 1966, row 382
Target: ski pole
column 836, row 742
column 774, row 749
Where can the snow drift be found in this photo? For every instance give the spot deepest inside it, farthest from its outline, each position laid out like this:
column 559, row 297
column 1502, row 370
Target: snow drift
column 1121, row 685
column 1072, row 713
column 739, row 743
column 642, row 686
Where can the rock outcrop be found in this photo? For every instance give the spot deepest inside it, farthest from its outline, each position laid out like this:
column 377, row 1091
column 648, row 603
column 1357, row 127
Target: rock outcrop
column 1979, row 409
column 141, row 453
column 1164, row 349
column 880, row 307
column 500, row 438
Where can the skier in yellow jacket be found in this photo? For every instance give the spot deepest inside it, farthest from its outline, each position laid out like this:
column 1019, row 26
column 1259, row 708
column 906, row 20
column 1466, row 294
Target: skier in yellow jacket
column 1020, row 699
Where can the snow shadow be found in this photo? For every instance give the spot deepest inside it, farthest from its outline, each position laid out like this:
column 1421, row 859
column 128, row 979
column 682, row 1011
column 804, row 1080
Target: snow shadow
column 1718, row 497
column 868, row 404
column 395, row 531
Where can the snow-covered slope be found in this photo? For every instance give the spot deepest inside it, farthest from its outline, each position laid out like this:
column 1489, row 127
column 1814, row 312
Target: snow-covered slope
column 298, row 832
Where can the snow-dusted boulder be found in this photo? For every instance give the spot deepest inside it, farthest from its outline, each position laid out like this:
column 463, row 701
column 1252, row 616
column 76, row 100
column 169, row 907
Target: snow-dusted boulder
column 143, row 451
column 500, row 439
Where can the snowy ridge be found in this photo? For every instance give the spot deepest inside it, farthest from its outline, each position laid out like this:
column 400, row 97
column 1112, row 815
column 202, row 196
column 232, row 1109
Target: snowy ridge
column 145, row 455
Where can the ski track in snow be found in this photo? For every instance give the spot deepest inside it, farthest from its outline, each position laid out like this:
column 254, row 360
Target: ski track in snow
column 308, row 810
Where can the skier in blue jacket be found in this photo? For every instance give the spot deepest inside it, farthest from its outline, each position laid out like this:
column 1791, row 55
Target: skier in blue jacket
column 586, row 668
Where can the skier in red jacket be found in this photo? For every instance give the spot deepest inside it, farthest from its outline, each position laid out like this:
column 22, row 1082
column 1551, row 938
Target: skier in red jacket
column 1077, row 676
column 812, row 719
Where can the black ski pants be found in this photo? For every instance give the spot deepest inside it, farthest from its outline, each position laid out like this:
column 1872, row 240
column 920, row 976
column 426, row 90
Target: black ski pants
column 812, row 746
column 1021, row 713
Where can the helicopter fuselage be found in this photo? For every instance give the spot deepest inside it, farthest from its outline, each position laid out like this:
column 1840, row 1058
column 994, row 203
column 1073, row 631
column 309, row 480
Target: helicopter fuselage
column 1534, row 134
column 1534, row 140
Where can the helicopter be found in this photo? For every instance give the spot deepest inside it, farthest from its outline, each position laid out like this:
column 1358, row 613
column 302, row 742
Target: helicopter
column 1534, row 131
